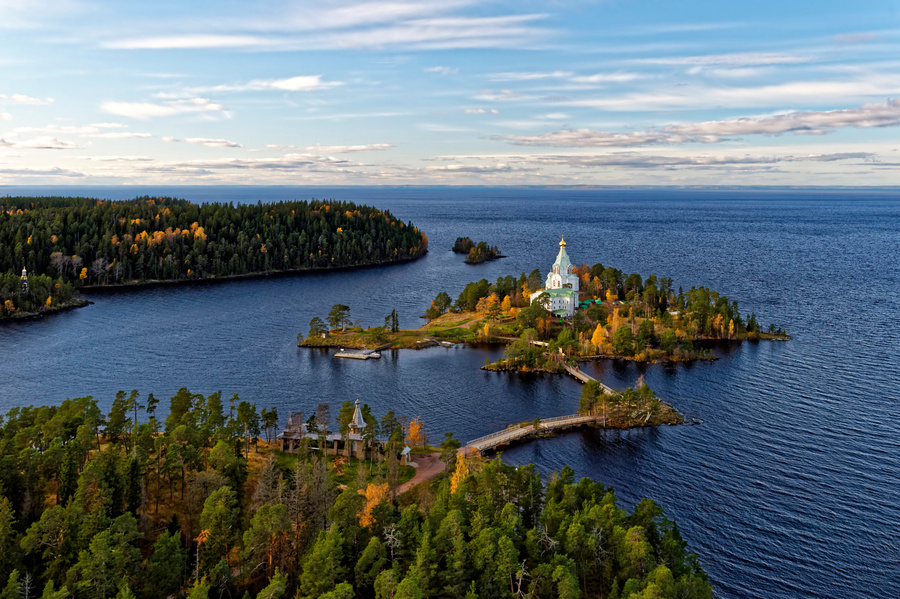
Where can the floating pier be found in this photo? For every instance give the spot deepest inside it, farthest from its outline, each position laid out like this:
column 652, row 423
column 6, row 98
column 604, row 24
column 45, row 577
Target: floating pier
column 358, row 354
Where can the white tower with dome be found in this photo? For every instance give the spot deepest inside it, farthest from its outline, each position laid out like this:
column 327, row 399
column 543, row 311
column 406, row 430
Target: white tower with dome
column 563, row 273
column 561, row 286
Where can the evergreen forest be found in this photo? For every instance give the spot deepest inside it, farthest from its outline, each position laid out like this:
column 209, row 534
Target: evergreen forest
column 199, row 504
column 87, row 241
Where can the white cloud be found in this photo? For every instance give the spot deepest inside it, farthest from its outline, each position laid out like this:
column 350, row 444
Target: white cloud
column 473, row 168
column 147, row 110
column 340, row 15
column 300, row 83
column 33, row 14
column 440, row 34
column 846, row 39
column 5, row 116
column 499, row 96
column 342, row 116
column 57, row 130
column 529, row 76
column 205, row 141
column 364, row 25
column 95, row 131
column 442, row 70
column 520, row 123
column 815, row 122
column 212, row 143
column 606, row 78
column 193, row 41
column 584, row 138
column 23, row 99
column 118, row 135
column 116, row 158
column 636, row 160
column 287, row 162
column 44, row 143
column 348, row 149
column 481, row 111
column 36, row 172
column 442, row 128
column 788, row 93
column 740, row 59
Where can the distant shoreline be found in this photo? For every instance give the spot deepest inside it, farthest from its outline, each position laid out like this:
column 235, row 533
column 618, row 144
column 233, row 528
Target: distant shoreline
column 525, row 186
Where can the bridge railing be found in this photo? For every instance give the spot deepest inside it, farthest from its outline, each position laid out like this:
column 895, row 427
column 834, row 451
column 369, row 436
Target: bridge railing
column 502, row 433
column 561, row 418
column 512, row 431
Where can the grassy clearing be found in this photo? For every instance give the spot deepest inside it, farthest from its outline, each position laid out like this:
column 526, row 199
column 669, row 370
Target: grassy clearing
column 458, row 327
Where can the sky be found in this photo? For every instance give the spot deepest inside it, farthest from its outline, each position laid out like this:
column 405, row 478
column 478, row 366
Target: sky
column 450, row 92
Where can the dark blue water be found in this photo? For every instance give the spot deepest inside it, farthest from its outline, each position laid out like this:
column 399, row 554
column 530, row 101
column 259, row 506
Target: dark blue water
column 789, row 487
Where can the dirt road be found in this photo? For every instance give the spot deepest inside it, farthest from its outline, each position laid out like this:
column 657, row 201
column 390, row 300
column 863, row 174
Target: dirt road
column 430, row 465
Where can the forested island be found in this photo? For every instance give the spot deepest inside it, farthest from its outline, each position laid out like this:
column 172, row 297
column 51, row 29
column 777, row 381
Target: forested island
column 197, row 505
column 90, row 242
column 619, row 316
column 476, row 253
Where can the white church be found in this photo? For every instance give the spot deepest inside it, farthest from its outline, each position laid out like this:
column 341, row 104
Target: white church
column 561, row 286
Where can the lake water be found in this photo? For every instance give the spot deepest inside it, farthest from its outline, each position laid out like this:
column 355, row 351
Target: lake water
column 788, row 488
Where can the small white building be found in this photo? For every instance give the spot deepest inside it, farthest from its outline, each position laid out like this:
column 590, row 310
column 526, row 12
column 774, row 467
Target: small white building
column 561, row 286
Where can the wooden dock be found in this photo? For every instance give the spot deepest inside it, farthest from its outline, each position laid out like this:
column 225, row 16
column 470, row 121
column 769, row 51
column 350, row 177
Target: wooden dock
column 507, row 436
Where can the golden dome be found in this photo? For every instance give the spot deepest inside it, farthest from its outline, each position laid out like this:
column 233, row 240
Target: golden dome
column 562, row 243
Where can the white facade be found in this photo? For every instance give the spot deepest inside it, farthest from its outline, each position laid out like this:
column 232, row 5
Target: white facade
column 561, row 286
column 563, row 272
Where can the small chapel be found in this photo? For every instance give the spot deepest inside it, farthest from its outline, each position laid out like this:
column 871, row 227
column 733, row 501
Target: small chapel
column 561, row 285
column 352, row 444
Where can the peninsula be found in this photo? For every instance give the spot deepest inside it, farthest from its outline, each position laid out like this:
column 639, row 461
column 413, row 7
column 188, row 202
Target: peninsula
column 195, row 504
column 24, row 297
column 84, row 243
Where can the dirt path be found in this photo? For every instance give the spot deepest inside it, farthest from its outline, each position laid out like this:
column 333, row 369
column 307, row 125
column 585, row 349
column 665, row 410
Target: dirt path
column 430, row 465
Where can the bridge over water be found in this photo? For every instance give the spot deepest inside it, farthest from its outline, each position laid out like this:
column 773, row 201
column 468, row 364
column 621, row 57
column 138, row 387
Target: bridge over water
column 584, row 377
column 507, row 436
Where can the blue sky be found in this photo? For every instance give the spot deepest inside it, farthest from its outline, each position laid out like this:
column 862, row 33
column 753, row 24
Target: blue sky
column 349, row 92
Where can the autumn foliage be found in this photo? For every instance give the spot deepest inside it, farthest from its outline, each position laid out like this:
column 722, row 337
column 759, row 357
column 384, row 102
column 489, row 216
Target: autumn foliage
column 460, row 473
column 374, row 494
column 416, row 435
